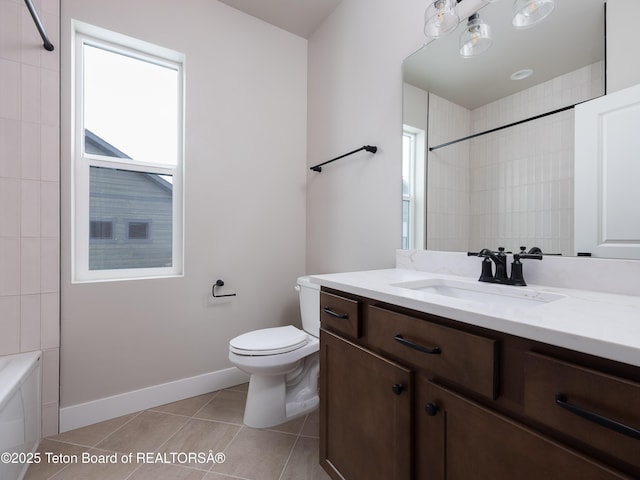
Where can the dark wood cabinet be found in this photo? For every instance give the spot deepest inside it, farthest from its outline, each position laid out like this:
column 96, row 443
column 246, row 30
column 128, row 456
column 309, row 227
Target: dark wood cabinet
column 409, row 395
column 366, row 413
column 475, row 442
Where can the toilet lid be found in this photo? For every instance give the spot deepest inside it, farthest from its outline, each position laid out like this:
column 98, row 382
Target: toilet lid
column 269, row 341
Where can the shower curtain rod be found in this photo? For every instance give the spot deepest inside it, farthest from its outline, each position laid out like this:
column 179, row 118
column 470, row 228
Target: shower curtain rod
column 502, row 127
column 368, row 148
column 32, row 10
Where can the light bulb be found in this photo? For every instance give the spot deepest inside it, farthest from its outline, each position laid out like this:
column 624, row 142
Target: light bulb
column 440, row 18
column 476, row 38
column 527, row 13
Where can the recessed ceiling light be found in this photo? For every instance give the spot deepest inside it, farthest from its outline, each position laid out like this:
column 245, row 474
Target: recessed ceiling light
column 521, row 74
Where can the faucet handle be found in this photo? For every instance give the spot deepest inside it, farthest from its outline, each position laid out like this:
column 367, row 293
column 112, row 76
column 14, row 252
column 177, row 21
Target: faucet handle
column 534, row 253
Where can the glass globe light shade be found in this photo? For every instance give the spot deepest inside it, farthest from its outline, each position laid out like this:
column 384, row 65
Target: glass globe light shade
column 527, row 13
column 475, row 38
column 440, row 18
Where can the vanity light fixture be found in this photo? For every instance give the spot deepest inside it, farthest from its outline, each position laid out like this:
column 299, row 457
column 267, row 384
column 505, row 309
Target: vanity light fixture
column 440, row 18
column 475, row 38
column 527, row 13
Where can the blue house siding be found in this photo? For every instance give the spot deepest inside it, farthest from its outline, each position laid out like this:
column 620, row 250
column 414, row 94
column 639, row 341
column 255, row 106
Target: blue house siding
column 126, row 203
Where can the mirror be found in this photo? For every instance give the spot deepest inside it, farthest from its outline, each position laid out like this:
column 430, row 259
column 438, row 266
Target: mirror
column 511, row 186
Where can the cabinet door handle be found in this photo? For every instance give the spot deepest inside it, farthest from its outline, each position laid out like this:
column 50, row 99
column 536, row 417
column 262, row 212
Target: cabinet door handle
column 397, row 388
column 563, row 401
column 328, row 311
column 432, row 409
column 416, row 346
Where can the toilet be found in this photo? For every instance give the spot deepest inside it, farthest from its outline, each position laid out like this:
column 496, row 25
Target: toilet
column 283, row 363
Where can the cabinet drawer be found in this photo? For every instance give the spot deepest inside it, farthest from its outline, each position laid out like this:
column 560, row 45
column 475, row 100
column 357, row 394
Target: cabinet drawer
column 586, row 405
column 461, row 357
column 340, row 314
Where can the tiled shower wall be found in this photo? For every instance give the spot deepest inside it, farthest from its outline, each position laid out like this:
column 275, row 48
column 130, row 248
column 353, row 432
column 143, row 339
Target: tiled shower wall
column 448, row 177
column 29, row 193
column 521, row 187
column 520, row 179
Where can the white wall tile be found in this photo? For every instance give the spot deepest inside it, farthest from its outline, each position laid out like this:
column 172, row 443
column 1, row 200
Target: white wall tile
column 29, row 322
column 50, row 375
column 30, row 93
column 50, row 415
column 9, row 266
column 30, row 41
column 10, row 324
column 10, row 91
column 9, row 148
column 10, row 31
column 10, row 211
column 29, row 160
column 30, row 150
column 49, row 153
column 50, row 265
column 50, row 97
column 29, row 266
column 30, row 208
column 50, row 320
column 50, row 209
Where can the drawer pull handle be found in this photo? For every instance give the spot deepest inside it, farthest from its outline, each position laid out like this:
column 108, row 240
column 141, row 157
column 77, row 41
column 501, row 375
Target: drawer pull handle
column 328, row 311
column 421, row 348
column 563, row 401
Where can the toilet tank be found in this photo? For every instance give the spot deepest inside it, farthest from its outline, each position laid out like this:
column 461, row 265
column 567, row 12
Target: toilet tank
column 309, row 305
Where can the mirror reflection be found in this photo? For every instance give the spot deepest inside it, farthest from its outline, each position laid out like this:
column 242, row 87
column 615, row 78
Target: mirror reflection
column 488, row 140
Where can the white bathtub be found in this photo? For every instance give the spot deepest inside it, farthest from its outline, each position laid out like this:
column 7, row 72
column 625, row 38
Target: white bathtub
column 19, row 412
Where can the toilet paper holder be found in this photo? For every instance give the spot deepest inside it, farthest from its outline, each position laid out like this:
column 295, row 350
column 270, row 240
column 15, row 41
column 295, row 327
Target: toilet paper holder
column 220, row 283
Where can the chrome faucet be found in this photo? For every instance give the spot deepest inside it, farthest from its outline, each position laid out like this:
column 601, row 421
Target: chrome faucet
column 499, row 258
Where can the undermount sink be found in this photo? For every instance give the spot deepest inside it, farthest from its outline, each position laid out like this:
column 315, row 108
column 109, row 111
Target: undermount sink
column 493, row 296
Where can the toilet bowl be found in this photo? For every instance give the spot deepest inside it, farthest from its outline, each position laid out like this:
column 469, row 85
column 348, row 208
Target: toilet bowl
column 283, row 363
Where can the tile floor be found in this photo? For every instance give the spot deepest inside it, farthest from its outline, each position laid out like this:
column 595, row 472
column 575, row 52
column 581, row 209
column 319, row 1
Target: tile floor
column 161, row 439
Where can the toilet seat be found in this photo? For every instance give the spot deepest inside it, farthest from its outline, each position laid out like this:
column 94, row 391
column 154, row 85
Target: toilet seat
column 269, row 341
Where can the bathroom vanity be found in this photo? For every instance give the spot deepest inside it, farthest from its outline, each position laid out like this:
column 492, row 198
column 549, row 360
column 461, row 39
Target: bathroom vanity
column 432, row 376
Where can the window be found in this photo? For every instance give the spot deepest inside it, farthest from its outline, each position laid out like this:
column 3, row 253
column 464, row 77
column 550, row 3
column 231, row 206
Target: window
column 414, row 175
column 138, row 230
column 408, row 159
column 101, row 230
column 128, row 124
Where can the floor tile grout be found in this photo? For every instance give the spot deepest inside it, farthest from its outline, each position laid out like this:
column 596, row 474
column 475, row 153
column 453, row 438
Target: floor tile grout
column 302, row 431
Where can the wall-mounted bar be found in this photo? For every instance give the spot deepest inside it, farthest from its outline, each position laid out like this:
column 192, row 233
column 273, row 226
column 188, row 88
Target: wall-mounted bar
column 431, row 149
column 36, row 18
column 368, row 148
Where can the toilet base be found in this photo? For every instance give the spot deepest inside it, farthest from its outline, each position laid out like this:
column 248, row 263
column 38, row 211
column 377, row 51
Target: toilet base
column 276, row 399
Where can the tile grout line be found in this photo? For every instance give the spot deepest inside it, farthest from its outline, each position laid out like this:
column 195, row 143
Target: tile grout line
column 284, row 467
column 117, row 429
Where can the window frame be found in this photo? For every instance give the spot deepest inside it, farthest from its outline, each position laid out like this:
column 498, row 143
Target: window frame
column 85, row 34
column 415, row 166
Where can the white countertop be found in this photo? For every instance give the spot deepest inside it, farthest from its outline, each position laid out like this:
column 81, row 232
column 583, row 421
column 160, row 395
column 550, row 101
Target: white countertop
column 601, row 324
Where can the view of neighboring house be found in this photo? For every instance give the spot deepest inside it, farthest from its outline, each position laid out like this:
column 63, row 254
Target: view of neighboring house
column 130, row 213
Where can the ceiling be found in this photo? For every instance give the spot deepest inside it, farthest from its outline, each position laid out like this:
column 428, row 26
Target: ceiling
column 300, row 17
column 570, row 38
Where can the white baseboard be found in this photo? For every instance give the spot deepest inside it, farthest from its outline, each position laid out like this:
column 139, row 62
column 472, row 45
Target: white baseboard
column 84, row 414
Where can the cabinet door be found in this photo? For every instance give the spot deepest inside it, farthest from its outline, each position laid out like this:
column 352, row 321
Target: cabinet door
column 365, row 413
column 457, row 439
